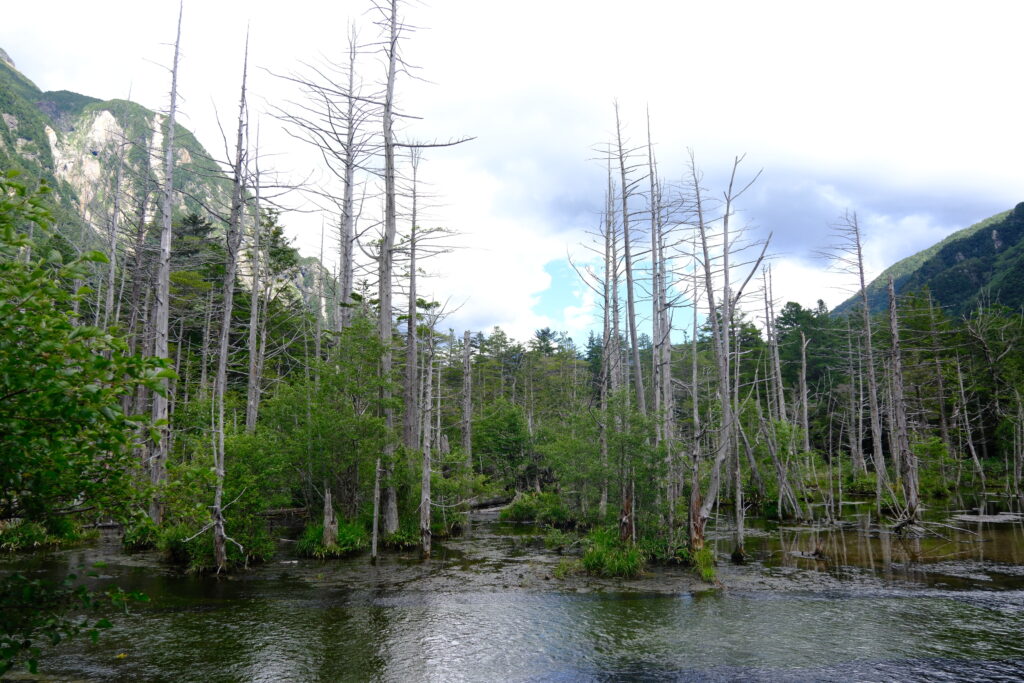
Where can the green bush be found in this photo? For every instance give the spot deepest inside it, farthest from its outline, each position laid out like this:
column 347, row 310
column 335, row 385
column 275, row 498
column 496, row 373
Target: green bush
column 545, row 508
column 658, row 551
column 556, row 539
column 140, row 533
column 54, row 532
column 704, row 563
column 22, row 535
column 859, row 485
column 607, row 556
column 406, row 538
column 181, row 545
column 522, row 509
column 351, row 539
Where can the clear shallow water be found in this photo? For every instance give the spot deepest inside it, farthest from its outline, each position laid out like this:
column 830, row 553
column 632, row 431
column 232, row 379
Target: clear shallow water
column 453, row 621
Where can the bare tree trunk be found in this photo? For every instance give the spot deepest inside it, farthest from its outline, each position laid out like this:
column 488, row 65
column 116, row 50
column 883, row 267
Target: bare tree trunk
column 425, row 492
column 467, row 402
column 115, row 218
column 330, row 534
column 410, row 418
column 773, row 343
column 385, row 274
column 346, row 237
column 804, row 422
column 908, row 461
column 253, row 390
column 881, row 476
column 720, row 325
column 158, row 459
column 233, row 241
column 965, row 417
column 641, row 398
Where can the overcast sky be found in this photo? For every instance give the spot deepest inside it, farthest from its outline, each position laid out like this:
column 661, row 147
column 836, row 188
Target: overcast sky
column 907, row 112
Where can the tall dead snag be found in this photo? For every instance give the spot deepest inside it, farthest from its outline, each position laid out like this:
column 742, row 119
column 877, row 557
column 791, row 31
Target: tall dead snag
column 411, row 416
column 849, row 256
column 233, row 241
column 721, row 316
column 779, row 393
column 901, row 440
column 467, row 401
column 661, row 328
column 161, row 318
column 626, row 187
column 805, row 424
column 425, row 493
column 253, row 389
column 334, row 118
column 115, row 217
column 385, row 263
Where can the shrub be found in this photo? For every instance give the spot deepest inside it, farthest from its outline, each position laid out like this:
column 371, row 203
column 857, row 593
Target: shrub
column 556, row 539
column 546, row 508
column 704, row 563
column 406, row 538
column 351, row 539
column 607, row 556
column 140, row 533
column 522, row 509
column 181, row 545
column 22, row 535
column 658, row 551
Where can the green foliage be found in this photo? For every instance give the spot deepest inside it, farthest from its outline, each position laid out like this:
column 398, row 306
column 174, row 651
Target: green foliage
column 605, row 555
column 545, row 508
column 556, row 539
column 406, row 537
column 184, row 545
column 22, row 535
column 704, row 564
column 35, row 612
column 64, row 439
column 658, row 551
column 567, row 567
column 352, row 539
column 859, row 484
column 140, row 533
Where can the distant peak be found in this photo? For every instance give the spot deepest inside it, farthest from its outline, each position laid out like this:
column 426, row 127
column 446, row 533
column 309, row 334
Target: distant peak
column 6, row 59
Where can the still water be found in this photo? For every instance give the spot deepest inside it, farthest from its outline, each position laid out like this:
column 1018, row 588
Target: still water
column 842, row 603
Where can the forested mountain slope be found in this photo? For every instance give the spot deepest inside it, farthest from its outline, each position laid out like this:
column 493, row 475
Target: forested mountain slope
column 985, row 261
column 76, row 144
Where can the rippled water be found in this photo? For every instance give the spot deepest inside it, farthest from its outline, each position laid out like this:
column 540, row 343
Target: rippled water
column 454, row 621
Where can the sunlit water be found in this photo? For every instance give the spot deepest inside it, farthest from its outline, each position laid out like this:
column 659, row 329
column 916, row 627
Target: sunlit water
column 867, row 607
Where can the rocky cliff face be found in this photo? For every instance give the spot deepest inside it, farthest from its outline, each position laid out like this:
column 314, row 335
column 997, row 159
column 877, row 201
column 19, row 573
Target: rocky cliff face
column 78, row 144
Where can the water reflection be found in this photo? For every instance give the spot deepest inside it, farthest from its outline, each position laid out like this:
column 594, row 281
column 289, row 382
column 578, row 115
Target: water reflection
column 931, row 611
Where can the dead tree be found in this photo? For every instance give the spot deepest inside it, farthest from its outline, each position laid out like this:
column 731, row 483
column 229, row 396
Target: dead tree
column 158, row 458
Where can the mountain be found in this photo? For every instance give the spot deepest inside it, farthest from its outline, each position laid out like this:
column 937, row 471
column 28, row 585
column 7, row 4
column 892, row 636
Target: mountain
column 985, row 261
column 75, row 142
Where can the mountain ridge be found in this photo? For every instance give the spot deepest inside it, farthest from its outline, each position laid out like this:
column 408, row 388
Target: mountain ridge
column 982, row 261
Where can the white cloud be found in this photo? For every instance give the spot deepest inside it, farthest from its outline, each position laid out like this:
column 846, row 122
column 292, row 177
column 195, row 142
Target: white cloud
column 911, row 99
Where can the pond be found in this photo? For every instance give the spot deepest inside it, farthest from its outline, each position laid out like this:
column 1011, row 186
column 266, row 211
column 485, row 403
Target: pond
column 845, row 602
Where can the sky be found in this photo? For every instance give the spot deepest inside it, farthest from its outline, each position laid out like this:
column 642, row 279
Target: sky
column 906, row 112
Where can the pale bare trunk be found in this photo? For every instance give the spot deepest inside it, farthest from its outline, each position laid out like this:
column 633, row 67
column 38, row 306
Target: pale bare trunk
column 158, row 459
column 232, row 243
column 638, row 375
column 908, row 460
column 387, row 248
column 467, row 402
column 253, row 390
